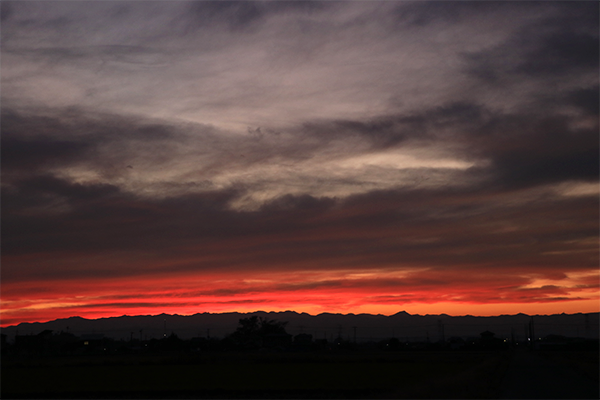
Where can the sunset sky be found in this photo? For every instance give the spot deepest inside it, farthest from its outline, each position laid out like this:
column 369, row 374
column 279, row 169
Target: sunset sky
column 345, row 157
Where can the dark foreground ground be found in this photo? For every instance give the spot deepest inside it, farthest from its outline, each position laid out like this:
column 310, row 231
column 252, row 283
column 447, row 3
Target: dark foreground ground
column 551, row 375
column 494, row 374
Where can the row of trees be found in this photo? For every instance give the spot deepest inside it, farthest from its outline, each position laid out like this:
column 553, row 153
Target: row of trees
column 256, row 332
column 252, row 333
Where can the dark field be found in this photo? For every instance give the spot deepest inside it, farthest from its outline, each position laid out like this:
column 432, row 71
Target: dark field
column 426, row 374
column 430, row 374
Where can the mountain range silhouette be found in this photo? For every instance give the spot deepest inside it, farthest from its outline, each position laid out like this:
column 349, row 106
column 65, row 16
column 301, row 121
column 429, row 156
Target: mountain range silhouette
column 358, row 327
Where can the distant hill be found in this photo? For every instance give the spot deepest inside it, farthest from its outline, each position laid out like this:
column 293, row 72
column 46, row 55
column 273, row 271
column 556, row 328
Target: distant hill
column 363, row 327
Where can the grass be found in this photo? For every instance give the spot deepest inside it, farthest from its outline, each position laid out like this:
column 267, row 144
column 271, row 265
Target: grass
column 585, row 363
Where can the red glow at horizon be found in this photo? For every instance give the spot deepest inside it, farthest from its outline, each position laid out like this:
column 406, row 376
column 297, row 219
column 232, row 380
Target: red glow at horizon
column 345, row 292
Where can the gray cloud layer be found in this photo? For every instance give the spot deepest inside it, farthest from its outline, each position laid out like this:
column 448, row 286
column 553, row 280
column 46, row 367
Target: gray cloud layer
column 301, row 134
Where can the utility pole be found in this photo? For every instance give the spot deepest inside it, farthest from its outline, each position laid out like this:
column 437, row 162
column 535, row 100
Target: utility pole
column 532, row 333
column 512, row 336
column 587, row 325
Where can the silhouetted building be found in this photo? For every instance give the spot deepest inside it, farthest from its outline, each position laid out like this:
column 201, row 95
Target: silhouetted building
column 303, row 339
column 92, row 343
column 277, row 340
column 4, row 344
column 488, row 341
column 33, row 344
column 455, row 343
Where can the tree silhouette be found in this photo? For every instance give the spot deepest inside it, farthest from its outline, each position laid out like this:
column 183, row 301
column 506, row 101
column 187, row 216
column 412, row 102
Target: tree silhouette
column 252, row 331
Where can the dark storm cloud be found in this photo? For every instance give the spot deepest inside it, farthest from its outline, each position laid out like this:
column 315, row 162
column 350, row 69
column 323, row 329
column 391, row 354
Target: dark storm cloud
column 42, row 185
column 43, row 212
column 563, row 44
column 95, row 56
column 532, row 149
column 525, row 148
column 543, row 148
column 55, row 141
column 34, row 142
column 393, row 228
column 430, row 11
column 587, row 99
column 5, row 10
column 382, row 132
column 236, row 14
column 240, row 15
column 388, row 131
column 560, row 53
column 39, row 153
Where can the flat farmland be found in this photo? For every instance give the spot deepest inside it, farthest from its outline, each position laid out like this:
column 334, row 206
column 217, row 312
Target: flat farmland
column 385, row 375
